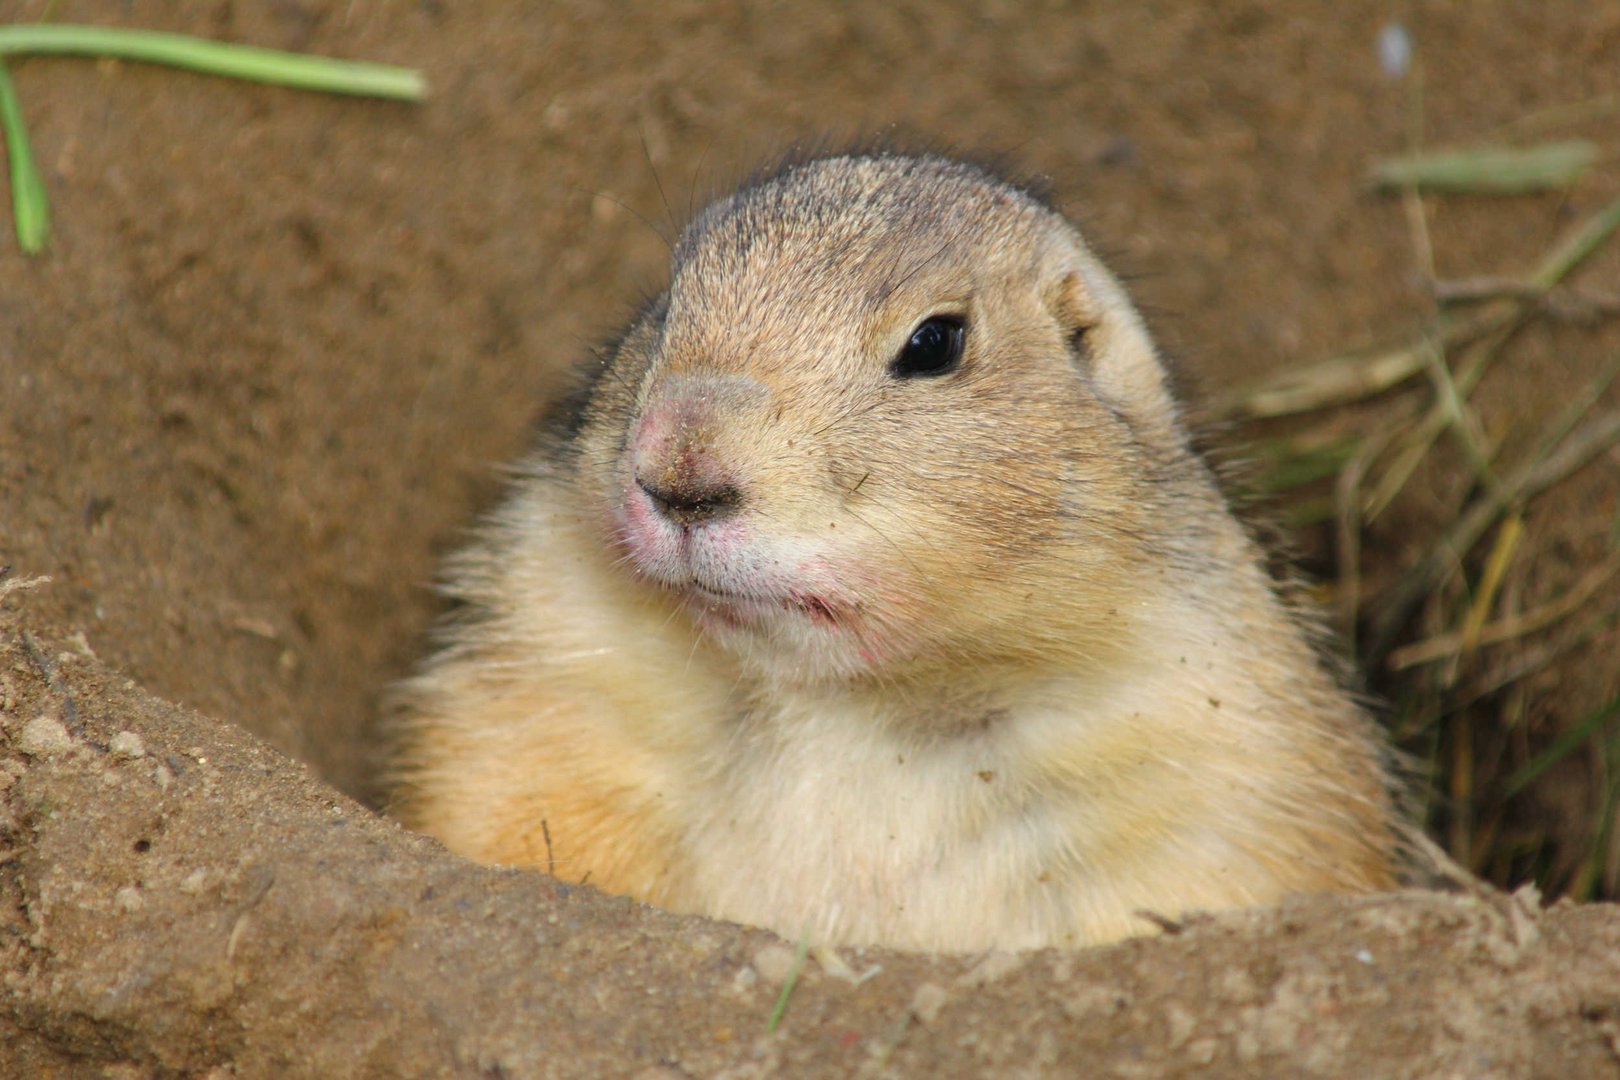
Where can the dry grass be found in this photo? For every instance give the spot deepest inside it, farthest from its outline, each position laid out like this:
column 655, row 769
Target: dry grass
column 1447, row 640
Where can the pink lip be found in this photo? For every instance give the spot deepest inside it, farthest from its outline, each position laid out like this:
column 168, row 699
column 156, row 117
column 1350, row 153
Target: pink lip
column 820, row 610
column 737, row 608
column 660, row 553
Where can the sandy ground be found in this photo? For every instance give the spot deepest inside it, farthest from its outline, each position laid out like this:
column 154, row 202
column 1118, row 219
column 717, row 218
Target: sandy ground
column 264, row 377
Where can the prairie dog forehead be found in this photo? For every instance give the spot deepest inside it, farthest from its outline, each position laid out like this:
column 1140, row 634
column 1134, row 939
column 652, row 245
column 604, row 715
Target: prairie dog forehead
column 844, row 245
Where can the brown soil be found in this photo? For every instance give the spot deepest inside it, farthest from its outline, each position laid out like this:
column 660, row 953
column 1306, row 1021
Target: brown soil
column 262, row 380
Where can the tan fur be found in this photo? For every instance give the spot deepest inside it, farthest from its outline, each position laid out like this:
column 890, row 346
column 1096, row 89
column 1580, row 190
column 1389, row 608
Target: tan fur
column 985, row 660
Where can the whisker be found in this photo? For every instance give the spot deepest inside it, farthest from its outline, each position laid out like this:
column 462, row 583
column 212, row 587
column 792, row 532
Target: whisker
column 637, row 214
column 669, row 211
column 845, row 417
column 888, row 289
column 904, row 554
column 697, row 639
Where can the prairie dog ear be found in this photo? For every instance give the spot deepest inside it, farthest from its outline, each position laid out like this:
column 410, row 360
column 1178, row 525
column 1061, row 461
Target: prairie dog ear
column 1111, row 343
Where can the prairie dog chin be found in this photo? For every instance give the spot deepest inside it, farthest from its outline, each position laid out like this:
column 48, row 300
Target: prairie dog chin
column 870, row 586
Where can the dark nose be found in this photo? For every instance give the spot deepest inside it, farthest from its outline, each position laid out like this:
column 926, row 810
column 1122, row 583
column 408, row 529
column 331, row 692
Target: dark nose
column 692, row 503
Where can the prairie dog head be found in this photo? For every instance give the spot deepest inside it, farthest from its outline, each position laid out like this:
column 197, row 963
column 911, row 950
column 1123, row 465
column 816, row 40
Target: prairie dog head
column 891, row 415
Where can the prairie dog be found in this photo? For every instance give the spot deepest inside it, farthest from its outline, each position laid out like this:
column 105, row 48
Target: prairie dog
column 871, row 589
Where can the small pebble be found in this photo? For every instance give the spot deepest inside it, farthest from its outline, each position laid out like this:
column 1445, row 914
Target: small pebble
column 774, row 963
column 744, row 981
column 1394, row 50
column 127, row 744
column 44, row 736
column 928, row 999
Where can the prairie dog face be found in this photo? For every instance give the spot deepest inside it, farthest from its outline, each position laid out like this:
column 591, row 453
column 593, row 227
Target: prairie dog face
column 890, row 414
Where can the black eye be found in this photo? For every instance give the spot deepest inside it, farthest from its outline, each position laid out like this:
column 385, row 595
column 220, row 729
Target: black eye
column 934, row 348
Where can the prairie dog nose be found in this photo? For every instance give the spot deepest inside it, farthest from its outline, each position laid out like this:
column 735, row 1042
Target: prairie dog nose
column 686, row 503
column 677, row 457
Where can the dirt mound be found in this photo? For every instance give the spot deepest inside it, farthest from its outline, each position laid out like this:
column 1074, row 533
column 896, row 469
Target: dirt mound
column 179, row 898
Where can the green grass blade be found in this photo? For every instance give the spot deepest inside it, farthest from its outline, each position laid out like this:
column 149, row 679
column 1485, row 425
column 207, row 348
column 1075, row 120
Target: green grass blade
column 29, row 205
column 1577, row 246
column 218, row 58
column 1562, row 747
column 1291, row 466
column 1496, row 170
column 790, row 982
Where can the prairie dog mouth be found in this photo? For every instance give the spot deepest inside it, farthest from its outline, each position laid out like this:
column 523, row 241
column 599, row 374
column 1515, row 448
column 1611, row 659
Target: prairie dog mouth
column 738, row 607
column 703, row 588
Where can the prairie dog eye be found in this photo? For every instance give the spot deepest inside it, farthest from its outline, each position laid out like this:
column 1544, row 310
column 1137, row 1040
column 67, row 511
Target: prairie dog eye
column 934, row 348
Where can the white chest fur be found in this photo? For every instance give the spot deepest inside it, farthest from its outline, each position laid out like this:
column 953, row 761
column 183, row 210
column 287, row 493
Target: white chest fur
column 824, row 818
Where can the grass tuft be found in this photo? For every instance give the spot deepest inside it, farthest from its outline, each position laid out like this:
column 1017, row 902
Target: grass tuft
column 1448, row 639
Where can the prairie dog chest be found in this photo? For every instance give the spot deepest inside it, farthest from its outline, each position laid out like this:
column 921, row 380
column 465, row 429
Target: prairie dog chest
column 831, row 817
